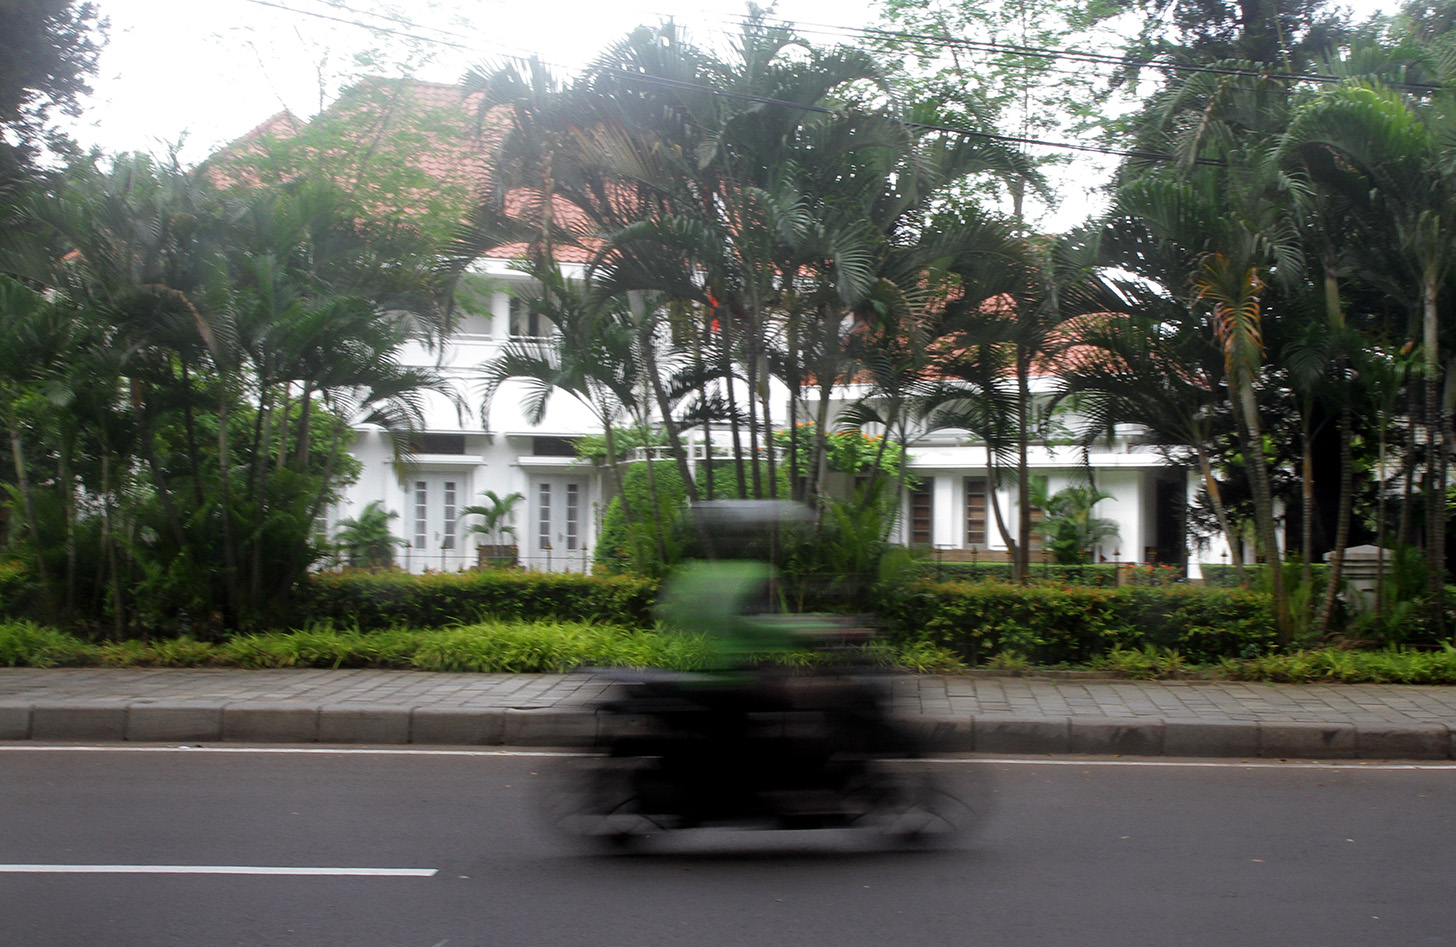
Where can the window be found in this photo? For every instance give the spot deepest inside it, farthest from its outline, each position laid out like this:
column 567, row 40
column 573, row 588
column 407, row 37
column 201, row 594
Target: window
column 436, row 514
column 1036, row 541
column 422, row 514
column 976, row 512
column 922, row 513
column 559, row 528
column 525, row 323
column 543, row 516
column 573, row 515
column 448, row 541
column 547, row 446
column 438, row 444
column 474, row 296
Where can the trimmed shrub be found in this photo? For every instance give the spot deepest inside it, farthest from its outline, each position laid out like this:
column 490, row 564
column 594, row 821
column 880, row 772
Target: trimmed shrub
column 377, row 600
column 1054, row 625
column 1096, row 575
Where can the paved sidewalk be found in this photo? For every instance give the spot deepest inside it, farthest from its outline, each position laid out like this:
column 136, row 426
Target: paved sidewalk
column 971, row 713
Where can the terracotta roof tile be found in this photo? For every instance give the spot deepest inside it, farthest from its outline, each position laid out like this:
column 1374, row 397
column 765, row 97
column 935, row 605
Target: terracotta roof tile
column 438, row 124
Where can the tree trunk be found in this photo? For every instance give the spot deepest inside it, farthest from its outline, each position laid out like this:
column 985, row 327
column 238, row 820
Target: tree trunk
column 725, row 357
column 108, row 542
column 1335, row 319
column 194, row 452
column 1263, row 504
column 669, row 423
column 22, row 480
column 992, row 489
column 1342, row 527
column 1021, row 560
column 1306, row 498
column 1380, row 529
column 1215, row 496
column 225, row 516
column 1435, row 459
column 750, row 371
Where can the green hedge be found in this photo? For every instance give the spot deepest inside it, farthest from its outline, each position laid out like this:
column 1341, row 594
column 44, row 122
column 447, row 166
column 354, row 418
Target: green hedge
column 1094, row 574
column 1045, row 623
column 501, row 648
column 369, row 601
column 1070, row 625
column 1097, row 575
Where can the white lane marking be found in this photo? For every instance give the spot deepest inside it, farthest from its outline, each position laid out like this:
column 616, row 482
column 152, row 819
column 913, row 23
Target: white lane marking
column 1240, row 763
column 1291, row 763
column 282, row 750
column 215, row 870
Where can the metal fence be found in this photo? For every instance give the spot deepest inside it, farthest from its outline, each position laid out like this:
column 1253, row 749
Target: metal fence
column 420, row 561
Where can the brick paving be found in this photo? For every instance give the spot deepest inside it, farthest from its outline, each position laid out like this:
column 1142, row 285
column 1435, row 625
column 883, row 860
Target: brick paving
column 970, row 712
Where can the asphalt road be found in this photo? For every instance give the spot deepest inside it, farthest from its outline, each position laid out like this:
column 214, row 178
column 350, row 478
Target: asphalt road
column 129, row 847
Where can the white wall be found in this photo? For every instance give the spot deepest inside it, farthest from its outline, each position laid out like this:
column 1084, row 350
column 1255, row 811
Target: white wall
column 499, row 457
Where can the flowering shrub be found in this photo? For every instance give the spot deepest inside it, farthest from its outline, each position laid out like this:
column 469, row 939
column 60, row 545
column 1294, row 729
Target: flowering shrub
column 848, row 451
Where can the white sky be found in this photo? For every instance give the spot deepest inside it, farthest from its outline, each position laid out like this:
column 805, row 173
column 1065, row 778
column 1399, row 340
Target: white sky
column 213, row 69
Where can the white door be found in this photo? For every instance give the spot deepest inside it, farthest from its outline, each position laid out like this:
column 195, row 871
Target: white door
column 555, row 539
column 434, row 523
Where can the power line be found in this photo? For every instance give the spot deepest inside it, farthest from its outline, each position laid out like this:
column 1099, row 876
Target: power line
column 1041, row 52
column 920, row 39
column 925, row 39
column 373, row 29
column 923, row 126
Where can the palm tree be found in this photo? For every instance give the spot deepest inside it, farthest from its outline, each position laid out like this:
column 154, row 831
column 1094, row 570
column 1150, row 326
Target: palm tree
column 1223, row 128
column 1233, row 291
column 743, row 191
column 228, row 343
column 366, row 540
column 1151, row 363
column 591, row 355
column 496, row 520
column 35, row 346
column 1393, row 158
column 1013, row 298
column 1071, row 531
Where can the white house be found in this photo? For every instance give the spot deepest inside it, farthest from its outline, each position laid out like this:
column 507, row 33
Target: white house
column 950, row 512
column 461, row 456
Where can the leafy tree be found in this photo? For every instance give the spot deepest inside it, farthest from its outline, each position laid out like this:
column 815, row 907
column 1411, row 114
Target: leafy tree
column 47, row 58
column 1001, row 65
column 1286, row 35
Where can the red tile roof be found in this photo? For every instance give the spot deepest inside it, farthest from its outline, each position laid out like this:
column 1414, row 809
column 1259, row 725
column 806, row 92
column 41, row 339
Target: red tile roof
column 436, row 128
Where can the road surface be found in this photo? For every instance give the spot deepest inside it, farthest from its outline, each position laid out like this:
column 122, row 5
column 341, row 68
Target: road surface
column 142, row 847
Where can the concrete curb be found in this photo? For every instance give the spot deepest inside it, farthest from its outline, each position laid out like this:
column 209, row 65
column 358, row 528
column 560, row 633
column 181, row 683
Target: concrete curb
column 359, row 722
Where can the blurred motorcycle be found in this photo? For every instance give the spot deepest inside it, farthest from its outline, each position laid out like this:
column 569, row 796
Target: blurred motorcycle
column 814, row 750
column 748, row 741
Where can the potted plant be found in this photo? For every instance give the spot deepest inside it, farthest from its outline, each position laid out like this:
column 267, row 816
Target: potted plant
column 495, row 526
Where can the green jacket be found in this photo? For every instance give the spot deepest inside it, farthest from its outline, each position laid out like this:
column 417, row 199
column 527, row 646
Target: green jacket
column 730, row 602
